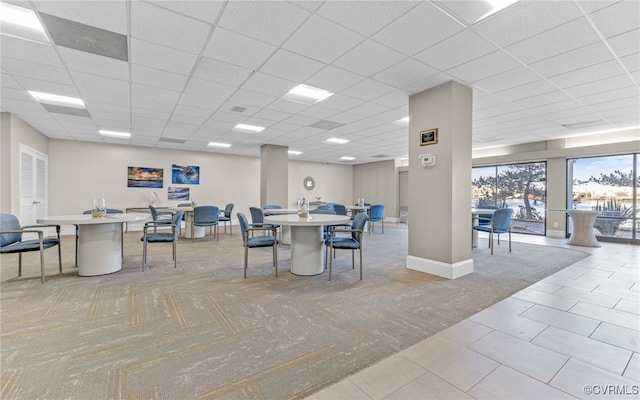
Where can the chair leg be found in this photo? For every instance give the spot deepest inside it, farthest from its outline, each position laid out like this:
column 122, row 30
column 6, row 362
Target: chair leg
column 144, row 255
column 60, row 257
column 246, row 259
column 360, row 261
column 383, row 225
column 77, row 232
column 175, row 258
column 217, row 234
column 275, row 255
column 19, row 264
column 509, row 240
column 193, row 236
column 331, row 262
column 491, row 242
column 353, row 259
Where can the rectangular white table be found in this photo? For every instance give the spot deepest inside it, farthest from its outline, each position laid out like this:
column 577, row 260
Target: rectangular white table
column 99, row 240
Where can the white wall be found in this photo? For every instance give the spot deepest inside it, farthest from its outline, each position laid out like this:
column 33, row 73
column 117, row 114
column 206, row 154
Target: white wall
column 82, row 171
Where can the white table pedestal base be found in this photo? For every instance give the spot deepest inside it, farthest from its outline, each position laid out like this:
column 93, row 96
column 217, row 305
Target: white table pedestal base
column 285, row 234
column 582, row 233
column 306, row 250
column 99, row 249
column 198, row 231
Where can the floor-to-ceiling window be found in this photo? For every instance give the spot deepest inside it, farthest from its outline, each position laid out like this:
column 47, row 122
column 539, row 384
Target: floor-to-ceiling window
column 609, row 185
column 521, row 187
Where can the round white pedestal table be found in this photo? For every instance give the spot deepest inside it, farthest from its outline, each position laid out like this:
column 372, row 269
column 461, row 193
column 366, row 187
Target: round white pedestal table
column 285, row 230
column 582, row 233
column 99, row 240
column 307, row 239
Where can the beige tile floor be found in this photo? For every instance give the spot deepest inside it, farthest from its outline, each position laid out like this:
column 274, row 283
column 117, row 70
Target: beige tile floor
column 575, row 334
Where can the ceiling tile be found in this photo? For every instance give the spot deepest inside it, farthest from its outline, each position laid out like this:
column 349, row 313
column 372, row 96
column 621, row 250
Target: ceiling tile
column 77, row 60
column 365, row 20
column 209, row 89
column 368, row 58
column 268, row 84
column 36, row 70
column 155, row 77
column 484, row 67
column 269, row 21
column 467, row 44
column 221, row 72
column 507, row 80
column 625, row 43
column 368, row 90
column 573, row 60
column 588, row 74
column 294, row 66
column 525, row 19
column 527, row 90
column 602, row 85
column 237, row 49
column 334, row 79
column 566, row 37
column 206, row 11
column 26, row 50
column 161, row 57
column 111, row 16
column 322, row 40
column 618, row 18
column 405, row 73
column 156, row 25
column 413, row 32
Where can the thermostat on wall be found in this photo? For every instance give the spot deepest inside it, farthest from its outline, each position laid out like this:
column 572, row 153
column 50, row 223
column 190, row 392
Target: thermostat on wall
column 427, row 160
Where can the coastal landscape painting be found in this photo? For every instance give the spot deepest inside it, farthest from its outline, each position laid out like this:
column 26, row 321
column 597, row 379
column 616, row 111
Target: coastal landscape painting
column 185, row 174
column 144, row 177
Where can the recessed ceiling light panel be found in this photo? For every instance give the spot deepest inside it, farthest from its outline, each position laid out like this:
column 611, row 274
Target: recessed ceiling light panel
column 473, row 11
column 57, row 99
column 214, row 144
column 294, row 152
column 346, row 158
column 122, row 135
column 22, row 23
column 336, row 141
column 307, row 94
column 248, row 128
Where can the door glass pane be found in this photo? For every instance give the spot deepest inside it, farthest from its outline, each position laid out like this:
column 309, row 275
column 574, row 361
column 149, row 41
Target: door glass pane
column 522, row 187
column 483, row 187
column 605, row 185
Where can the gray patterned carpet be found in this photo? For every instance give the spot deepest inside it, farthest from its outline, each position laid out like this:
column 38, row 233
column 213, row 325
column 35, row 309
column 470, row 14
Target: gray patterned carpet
column 201, row 331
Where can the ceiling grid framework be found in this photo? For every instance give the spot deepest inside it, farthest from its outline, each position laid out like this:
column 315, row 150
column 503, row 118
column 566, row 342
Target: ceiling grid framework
column 539, row 70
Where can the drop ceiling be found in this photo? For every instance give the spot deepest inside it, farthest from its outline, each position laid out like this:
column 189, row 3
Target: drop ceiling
column 192, row 70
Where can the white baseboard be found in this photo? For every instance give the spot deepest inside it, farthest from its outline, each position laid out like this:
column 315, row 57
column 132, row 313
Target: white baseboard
column 438, row 268
column 555, row 234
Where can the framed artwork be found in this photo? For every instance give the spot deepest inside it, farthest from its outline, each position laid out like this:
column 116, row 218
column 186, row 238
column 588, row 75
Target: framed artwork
column 185, row 174
column 178, row 193
column 430, row 136
column 144, row 177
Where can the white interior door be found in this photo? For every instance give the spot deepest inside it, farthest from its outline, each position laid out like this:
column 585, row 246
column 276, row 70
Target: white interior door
column 33, row 185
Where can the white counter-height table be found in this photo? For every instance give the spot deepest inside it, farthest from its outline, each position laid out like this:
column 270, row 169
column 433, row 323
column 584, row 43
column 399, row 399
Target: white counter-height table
column 307, row 239
column 99, row 240
column 285, row 230
column 475, row 218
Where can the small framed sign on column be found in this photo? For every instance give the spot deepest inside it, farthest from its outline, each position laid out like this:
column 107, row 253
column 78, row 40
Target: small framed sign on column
column 430, row 136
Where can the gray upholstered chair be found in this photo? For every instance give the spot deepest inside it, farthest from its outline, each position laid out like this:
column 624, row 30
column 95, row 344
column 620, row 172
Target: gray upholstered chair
column 11, row 241
column 500, row 223
column 376, row 214
column 272, row 207
column 162, row 236
column 226, row 218
column 250, row 242
column 353, row 241
column 158, row 216
column 257, row 219
column 205, row 216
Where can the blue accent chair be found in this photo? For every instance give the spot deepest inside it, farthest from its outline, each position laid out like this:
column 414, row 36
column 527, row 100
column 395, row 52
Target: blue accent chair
column 205, row 216
column 352, row 242
column 226, row 218
column 500, row 223
column 257, row 219
column 257, row 241
column 162, row 236
column 11, row 241
column 376, row 214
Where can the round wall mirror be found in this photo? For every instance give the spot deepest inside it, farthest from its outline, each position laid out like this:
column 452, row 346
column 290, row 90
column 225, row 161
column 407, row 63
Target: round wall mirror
column 309, row 183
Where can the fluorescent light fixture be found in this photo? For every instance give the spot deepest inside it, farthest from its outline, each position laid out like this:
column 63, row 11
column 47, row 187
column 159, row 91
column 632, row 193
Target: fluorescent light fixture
column 336, row 140
column 214, row 144
column 248, row 128
column 294, row 152
column 21, row 22
column 307, row 94
column 476, row 10
column 123, row 135
column 402, row 122
column 57, row 99
column 346, row 158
